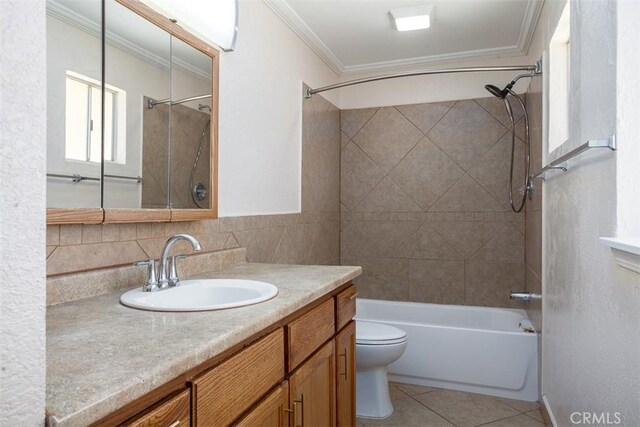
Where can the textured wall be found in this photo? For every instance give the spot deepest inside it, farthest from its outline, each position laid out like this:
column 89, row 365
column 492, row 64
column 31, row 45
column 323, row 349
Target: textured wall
column 590, row 337
column 310, row 237
column 22, row 207
column 424, row 192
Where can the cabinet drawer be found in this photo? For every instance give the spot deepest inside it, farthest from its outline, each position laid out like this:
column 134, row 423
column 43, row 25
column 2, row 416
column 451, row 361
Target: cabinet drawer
column 173, row 413
column 346, row 306
column 226, row 391
column 307, row 333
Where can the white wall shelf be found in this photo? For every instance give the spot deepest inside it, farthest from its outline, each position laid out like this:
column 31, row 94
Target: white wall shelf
column 626, row 251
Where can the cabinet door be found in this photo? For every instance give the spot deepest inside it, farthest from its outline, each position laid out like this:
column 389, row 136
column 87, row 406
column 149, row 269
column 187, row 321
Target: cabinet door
column 273, row 411
column 346, row 375
column 173, row 413
column 313, row 394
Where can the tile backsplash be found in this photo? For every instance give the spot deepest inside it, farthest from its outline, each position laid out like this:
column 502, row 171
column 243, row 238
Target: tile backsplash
column 425, row 202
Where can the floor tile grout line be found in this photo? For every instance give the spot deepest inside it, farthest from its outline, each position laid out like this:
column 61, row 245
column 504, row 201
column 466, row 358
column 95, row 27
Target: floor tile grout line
column 433, row 410
column 502, row 419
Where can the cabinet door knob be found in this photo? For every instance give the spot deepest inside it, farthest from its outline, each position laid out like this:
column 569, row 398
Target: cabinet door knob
column 175, row 424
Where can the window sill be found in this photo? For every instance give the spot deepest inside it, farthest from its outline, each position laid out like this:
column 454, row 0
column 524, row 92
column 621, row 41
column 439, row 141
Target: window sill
column 626, row 251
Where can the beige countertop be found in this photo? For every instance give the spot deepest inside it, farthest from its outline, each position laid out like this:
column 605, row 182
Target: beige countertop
column 102, row 355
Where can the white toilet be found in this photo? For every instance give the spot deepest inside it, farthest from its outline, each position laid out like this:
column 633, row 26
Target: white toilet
column 377, row 346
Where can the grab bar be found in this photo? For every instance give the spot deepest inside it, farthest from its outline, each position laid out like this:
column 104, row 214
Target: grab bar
column 558, row 164
column 523, row 296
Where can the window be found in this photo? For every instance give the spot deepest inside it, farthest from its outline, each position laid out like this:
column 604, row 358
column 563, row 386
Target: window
column 559, row 73
column 83, row 121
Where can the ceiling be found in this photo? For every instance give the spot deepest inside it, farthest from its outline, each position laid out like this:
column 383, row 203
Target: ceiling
column 355, row 36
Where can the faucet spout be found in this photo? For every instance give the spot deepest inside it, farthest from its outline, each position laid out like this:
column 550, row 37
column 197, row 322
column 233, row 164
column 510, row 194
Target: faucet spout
column 164, row 281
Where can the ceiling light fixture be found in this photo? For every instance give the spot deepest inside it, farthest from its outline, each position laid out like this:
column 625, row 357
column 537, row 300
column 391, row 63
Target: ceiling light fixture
column 412, row 18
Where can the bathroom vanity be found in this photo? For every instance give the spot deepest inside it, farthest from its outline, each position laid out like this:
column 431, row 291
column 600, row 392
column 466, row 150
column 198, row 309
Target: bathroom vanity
column 289, row 361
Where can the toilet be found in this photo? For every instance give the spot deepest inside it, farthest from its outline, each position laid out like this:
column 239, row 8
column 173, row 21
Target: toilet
column 377, row 346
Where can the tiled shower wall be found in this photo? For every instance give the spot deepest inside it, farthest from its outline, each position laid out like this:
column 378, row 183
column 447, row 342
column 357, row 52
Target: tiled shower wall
column 425, row 206
column 310, row 237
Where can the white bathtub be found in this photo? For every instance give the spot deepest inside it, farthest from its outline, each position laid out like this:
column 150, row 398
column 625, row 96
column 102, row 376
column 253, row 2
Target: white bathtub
column 474, row 349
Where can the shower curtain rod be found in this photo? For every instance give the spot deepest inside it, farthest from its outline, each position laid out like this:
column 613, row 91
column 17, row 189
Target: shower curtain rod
column 535, row 69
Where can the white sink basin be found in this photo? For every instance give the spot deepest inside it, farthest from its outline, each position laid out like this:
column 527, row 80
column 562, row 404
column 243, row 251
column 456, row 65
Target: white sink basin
column 201, row 295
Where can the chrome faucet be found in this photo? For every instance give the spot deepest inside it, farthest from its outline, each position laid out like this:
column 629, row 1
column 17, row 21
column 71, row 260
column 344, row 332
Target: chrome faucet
column 524, row 296
column 168, row 275
column 167, row 270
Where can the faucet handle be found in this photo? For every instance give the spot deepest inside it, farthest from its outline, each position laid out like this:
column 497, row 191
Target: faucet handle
column 152, row 282
column 173, row 271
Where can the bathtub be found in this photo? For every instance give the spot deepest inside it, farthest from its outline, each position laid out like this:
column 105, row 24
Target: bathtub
column 474, row 349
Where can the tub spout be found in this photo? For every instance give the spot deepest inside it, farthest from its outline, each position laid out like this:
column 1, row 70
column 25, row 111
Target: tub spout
column 524, row 296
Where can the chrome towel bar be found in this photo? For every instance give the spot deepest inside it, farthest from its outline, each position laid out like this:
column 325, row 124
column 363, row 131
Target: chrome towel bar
column 76, row 177
column 559, row 163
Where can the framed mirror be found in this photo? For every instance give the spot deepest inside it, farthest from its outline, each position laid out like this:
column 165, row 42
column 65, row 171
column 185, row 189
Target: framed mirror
column 150, row 130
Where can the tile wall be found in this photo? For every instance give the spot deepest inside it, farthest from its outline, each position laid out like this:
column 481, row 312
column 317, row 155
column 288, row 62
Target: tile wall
column 425, row 202
column 310, row 237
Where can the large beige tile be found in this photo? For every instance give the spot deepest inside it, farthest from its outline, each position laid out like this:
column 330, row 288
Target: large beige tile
column 383, row 278
column 409, row 413
column 261, row 244
column 521, row 420
column 325, row 248
column 521, row 405
column 388, row 236
column 466, row 195
column 467, row 237
column 489, row 284
column 426, row 243
column 95, row 255
column 498, row 110
column 426, row 173
column 438, row 282
column 71, row 234
column 507, row 245
column 358, row 175
column 425, row 116
column 91, row 233
column 466, row 409
column 353, row 120
column 387, row 137
column 536, row 415
column 53, row 235
column 493, row 169
column 344, row 139
column 387, row 196
column 355, row 245
column 466, row 132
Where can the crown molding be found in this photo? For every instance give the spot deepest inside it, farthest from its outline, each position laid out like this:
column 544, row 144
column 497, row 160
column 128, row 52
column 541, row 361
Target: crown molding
column 282, row 9
column 529, row 22
column 70, row 17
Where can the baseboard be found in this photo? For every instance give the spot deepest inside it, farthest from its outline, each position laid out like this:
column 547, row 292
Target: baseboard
column 547, row 415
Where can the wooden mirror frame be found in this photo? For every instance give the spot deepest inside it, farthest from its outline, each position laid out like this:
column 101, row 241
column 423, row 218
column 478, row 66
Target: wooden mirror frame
column 116, row 215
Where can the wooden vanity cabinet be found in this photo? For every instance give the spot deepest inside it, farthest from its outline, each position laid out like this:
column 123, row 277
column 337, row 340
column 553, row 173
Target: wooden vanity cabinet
column 345, row 375
column 313, row 395
column 300, row 374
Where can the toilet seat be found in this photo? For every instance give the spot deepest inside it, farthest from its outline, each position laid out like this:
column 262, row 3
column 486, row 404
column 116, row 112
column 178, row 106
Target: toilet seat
column 371, row 333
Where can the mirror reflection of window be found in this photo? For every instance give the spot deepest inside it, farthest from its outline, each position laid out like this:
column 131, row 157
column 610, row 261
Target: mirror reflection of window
column 83, row 129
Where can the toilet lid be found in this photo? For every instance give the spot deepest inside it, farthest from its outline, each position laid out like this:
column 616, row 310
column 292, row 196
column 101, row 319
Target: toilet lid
column 372, row 333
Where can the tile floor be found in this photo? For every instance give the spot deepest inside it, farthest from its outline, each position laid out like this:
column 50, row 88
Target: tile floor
column 417, row 406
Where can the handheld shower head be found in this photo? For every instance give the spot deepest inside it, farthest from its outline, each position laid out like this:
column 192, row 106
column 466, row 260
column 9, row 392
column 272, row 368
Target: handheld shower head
column 496, row 91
